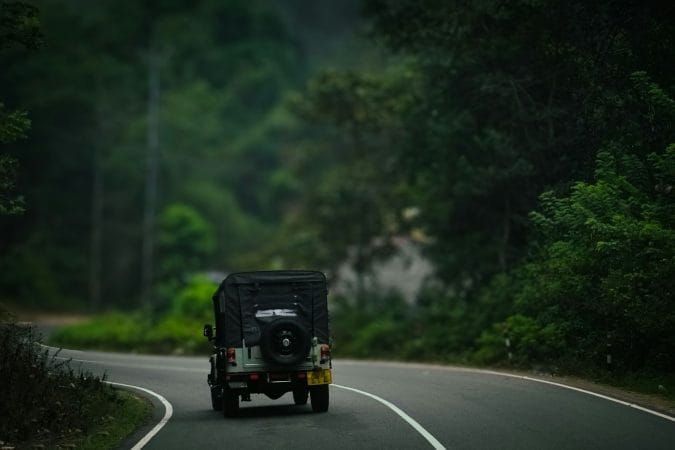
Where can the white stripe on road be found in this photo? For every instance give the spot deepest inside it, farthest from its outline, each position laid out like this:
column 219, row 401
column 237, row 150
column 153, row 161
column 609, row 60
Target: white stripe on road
column 412, row 422
column 511, row 375
column 168, row 412
column 595, row 394
column 168, row 408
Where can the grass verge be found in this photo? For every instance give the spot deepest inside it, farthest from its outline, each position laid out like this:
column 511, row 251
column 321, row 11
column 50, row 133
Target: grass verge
column 47, row 404
column 134, row 332
column 132, row 412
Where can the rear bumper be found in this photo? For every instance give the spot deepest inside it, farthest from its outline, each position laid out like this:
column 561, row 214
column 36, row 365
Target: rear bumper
column 264, row 382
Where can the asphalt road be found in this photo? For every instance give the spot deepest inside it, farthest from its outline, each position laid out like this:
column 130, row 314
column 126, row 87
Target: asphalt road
column 458, row 409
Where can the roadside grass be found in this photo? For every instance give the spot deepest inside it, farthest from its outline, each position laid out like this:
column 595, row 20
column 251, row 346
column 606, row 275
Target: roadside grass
column 134, row 332
column 47, row 404
column 132, row 412
column 172, row 335
column 662, row 385
column 176, row 330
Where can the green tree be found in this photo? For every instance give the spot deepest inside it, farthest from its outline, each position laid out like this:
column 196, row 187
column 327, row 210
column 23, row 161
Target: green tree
column 185, row 241
column 19, row 28
column 603, row 271
column 13, row 125
column 351, row 197
column 511, row 99
column 224, row 69
column 516, row 98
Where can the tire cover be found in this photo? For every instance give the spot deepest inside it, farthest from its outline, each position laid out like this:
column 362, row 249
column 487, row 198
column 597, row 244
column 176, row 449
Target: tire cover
column 285, row 341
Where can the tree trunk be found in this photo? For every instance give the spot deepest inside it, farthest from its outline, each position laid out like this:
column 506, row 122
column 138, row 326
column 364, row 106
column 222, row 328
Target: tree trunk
column 96, row 230
column 151, row 171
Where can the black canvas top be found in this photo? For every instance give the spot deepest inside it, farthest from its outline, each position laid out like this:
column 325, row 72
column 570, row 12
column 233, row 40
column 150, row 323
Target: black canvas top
column 245, row 302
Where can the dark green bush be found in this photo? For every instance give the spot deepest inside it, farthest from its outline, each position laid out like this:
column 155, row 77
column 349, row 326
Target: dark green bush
column 529, row 341
column 178, row 330
column 44, row 401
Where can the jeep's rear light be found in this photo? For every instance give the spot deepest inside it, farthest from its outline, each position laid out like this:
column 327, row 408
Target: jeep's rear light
column 232, row 356
column 325, row 353
column 254, row 377
column 302, row 375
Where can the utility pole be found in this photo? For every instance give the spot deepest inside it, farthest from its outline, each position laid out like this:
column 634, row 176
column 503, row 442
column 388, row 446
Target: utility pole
column 151, row 172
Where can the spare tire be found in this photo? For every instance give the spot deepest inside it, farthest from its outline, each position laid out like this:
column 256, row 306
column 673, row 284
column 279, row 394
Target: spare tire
column 285, row 341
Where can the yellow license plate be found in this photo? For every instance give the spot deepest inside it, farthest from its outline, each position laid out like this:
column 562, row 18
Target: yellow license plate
column 319, row 377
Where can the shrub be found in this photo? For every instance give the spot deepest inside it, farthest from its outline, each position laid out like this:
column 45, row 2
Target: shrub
column 529, row 341
column 194, row 300
column 44, row 401
column 112, row 331
column 177, row 331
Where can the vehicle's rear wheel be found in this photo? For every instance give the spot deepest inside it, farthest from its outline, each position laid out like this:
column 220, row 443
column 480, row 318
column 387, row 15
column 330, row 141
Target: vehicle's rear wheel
column 230, row 403
column 300, row 396
column 216, row 398
column 320, row 398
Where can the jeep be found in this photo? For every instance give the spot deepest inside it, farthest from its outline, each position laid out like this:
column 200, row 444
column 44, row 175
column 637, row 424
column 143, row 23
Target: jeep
column 271, row 337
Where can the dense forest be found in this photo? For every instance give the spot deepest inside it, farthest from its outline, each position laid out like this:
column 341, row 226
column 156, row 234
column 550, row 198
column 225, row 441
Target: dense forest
column 526, row 147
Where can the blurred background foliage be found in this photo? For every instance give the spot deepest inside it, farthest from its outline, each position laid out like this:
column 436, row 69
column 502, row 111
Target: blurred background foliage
column 525, row 147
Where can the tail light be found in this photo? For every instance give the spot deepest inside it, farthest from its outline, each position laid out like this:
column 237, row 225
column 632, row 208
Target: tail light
column 325, row 353
column 232, row 356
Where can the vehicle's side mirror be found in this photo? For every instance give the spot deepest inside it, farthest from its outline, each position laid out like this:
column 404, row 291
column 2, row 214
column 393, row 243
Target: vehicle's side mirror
column 208, row 331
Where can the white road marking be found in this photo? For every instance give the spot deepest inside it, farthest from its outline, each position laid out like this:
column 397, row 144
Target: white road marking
column 594, row 394
column 430, row 438
column 521, row 377
column 168, row 408
column 168, row 412
column 412, row 422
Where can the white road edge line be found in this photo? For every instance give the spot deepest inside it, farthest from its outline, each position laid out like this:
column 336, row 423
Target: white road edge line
column 168, row 412
column 525, row 377
column 594, row 394
column 572, row 388
column 412, row 422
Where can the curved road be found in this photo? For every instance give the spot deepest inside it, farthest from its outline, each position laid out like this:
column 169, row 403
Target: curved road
column 458, row 409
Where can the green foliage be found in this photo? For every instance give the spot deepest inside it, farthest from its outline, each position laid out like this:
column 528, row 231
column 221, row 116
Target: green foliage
column 185, row 240
column 375, row 326
column 345, row 169
column 10, row 204
column 605, row 272
column 19, row 27
column 46, row 403
column 135, row 332
column 178, row 330
column 225, row 71
column 602, row 274
column 175, row 335
column 109, row 331
column 487, row 111
column 193, row 302
column 130, row 413
column 30, row 275
column 13, row 124
column 533, row 141
column 529, row 341
column 508, row 108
